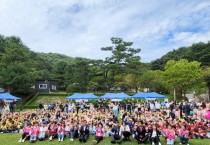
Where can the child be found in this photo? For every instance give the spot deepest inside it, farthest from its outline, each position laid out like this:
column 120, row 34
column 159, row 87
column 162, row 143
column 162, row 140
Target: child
column 99, row 133
column 25, row 134
column 34, row 132
column 93, row 128
column 53, row 131
column 60, row 131
column 183, row 135
column 43, row 130
column 170, row 134
column 73, row 131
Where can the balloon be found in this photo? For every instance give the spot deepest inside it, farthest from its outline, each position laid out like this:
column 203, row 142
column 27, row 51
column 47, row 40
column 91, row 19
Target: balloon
column 207, row 116
column 132, row 99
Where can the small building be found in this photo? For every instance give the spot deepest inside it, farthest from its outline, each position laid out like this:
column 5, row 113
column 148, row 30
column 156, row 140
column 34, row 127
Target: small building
column 2, row 90
column 46, row 85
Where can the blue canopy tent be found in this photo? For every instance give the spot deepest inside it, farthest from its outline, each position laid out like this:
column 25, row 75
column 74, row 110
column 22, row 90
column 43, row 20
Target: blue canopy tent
column 148, row 95
column 154, row 95
column 78, row 96
column 7, row 96
column 139, row 95
column 122, row 96
column 115, row 96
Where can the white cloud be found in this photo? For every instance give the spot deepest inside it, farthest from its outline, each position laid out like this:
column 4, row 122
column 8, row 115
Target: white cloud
column 82, row 27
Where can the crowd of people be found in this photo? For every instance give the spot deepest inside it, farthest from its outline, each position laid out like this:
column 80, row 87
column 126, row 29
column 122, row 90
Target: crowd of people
column 119, row 121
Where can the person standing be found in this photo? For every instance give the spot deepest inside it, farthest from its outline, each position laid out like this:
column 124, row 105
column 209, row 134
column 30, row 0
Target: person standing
column 115, row 109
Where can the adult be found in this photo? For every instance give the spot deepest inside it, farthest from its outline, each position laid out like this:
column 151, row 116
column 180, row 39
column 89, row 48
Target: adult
column 84, row 132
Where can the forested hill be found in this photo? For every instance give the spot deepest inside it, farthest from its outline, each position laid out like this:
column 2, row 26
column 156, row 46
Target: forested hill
column 20, row 66
column 198, row 52
column 55, row 58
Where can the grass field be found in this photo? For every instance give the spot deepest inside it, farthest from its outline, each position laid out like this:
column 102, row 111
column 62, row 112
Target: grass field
column 12, row 139
column 48, row 99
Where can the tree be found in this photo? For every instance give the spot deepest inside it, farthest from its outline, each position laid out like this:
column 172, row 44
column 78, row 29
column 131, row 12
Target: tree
column 182, row 75
column 153, row 80
column 78, row 75
column 15, row 70
column 133, row 80
column 16, row 79
column 206, row 75
column 122, row 56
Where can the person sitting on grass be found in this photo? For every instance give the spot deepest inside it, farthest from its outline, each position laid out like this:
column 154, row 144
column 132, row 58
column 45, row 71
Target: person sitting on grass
column 183, row 135
column 99, row 133
column 60, row 131
column 53, row 130
column 92, row 128
column 73, row 131
column 170, row 134
column 84, row 132
column 34, row 132
column 43, row 130
column 139, row 131
column 26, row 131
column 124, row 133
column 115, row 133
column 154, row 135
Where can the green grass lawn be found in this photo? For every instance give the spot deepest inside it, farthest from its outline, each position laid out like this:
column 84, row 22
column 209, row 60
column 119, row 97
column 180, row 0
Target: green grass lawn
column 12, row 139
column 48, row 99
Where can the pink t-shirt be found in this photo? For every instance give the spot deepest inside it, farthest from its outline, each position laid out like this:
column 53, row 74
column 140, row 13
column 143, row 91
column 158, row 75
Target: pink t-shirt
column 99, row 132
column 170, row 134
column 34, row 131
column 53, row 128
column 60, row 130
column 26, row 130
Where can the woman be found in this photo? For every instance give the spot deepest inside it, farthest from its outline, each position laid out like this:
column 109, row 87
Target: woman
column 99, row 133
column 154, row 135
column 124, row 132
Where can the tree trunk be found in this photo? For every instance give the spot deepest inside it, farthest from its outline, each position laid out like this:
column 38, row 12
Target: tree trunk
column 136, row 89
column 174, row 94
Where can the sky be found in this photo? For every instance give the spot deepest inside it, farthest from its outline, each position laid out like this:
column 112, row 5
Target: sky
column 80, row 28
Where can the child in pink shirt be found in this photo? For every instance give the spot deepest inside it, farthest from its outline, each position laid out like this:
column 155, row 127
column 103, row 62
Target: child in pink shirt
column 25, row 134
column 53, row 130
column 34, row 132
column 99, row 133
column 170, row 134
column 183, row 135
column 61, row 130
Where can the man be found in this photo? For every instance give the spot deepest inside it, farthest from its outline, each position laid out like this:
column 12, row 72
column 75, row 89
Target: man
column 139, row 131
column 186, row 109
column 115, row 133
column 84, row 132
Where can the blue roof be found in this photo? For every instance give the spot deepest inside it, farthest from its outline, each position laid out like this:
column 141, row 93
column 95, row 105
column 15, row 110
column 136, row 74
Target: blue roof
column 115, row 96
column 155, row 95
column 78, row 96
column 148, row 95
column 139, row 95
column 8, row 96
